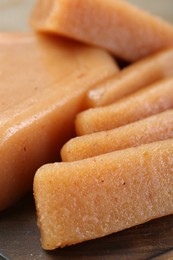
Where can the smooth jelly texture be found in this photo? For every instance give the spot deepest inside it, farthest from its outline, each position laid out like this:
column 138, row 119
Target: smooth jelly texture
column 43, row 81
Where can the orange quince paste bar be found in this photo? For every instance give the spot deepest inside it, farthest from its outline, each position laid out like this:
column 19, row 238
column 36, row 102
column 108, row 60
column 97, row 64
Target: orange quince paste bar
column 131, row 79
column 43, row 81
column 95, row 197
column 151, row 129
column 116, row 25
column 144, row 103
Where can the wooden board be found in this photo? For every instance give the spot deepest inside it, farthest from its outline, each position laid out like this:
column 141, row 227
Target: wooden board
column 20, row 239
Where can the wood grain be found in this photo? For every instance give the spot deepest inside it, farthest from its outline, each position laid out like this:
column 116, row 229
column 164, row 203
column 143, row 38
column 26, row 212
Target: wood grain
column 20, row 239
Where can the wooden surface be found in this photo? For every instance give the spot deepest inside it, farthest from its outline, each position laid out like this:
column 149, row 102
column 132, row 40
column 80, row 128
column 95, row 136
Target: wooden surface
column 20, row 239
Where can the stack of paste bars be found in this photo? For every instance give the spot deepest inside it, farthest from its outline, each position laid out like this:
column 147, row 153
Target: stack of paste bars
column 118, row 171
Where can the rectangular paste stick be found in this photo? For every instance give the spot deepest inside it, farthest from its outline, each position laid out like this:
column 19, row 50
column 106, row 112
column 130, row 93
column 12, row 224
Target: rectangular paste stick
column 132, row 78
column 125, row 30
column 95, row 197
column 43, row 81
column 151, row 129
column 143, row 103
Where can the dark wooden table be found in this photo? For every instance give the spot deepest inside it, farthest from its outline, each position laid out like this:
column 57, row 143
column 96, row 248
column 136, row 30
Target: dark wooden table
column 20, row 239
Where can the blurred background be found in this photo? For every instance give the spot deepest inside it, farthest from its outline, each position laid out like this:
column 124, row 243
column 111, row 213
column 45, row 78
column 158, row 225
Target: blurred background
column 14, row 13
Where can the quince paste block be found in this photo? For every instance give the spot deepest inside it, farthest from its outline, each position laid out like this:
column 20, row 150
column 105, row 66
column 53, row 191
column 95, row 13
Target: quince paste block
column 95, row 197
column 125, row 30
column 43, row 81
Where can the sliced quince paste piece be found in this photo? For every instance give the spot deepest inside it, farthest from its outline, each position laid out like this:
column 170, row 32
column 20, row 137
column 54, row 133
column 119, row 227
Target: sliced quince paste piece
column 132, row 78
column 125, row 30
column 151, row 129
column 95, row 197
column 146, row 102
column 43, row 81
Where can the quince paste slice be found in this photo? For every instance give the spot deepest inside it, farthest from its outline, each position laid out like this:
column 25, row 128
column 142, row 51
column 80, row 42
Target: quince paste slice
column 95, row 197
column 116, row 25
